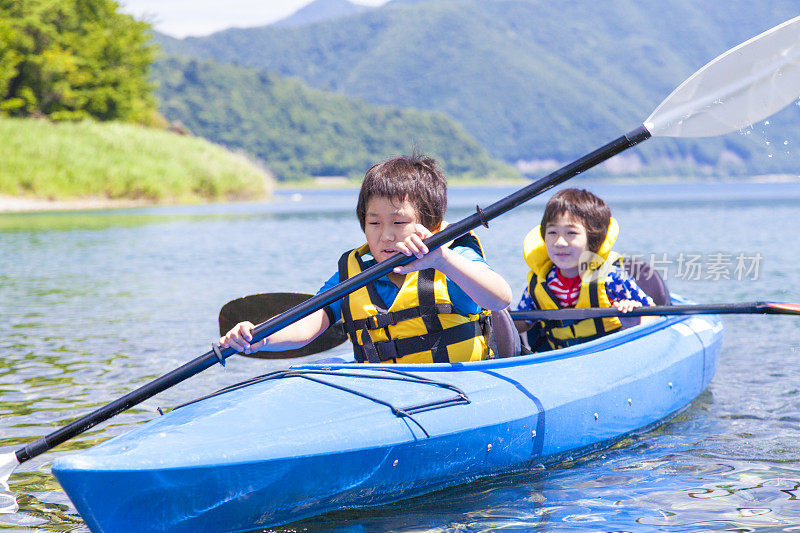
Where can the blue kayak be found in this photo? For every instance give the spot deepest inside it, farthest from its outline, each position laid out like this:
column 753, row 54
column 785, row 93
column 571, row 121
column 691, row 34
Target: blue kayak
column 333, row 435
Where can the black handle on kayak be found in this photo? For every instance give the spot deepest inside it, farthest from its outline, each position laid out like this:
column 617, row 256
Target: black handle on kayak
column 217, row 355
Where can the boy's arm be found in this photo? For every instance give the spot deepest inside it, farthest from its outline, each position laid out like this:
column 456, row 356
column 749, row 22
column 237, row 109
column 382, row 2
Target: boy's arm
column 486, row 287
column 294, row 335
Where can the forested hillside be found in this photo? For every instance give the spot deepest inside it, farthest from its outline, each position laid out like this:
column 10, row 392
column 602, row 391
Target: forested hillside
column 529, row 79
column 73, row 60
column 301, row 132
column 75, row 93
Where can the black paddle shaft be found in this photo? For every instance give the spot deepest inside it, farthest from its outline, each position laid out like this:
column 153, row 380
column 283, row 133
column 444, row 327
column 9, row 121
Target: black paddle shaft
column 216, row 355
column 576, row 313
column 452, row 231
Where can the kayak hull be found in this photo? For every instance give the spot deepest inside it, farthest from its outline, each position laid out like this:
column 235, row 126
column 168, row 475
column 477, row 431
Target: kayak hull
column 332, row 436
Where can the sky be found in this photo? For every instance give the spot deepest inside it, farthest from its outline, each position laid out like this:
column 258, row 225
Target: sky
column 182, row 18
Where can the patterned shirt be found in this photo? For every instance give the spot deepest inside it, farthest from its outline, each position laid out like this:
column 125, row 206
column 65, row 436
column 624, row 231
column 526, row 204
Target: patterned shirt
column 619, row 286
column 566, row 290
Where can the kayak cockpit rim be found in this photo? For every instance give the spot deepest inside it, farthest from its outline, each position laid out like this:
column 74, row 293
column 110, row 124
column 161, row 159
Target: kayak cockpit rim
column 594, row 346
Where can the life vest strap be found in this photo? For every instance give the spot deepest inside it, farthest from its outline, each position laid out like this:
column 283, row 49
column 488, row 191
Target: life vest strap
column 426, row 334
column 397, row 348
column 391, row 318
column 556, row 343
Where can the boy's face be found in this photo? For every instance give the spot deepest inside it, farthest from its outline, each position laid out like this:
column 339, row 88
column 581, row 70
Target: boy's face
column 566, row 239
column 387, row 222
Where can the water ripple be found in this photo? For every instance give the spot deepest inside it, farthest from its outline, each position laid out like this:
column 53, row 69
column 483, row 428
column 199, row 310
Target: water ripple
column 94, row 305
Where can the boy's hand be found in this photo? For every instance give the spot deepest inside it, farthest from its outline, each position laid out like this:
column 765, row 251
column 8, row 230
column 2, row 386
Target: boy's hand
column 482, row 284
column 626, row 305
column 239, row 338
column 413, row 245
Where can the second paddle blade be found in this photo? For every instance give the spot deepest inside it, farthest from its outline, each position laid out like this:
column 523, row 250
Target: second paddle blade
column 783, row 308
column 257, row 308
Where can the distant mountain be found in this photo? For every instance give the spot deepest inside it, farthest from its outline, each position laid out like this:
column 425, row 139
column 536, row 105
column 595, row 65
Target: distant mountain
column 299, row 132
column 406, row 2
column 320, row 10
column 529, row 79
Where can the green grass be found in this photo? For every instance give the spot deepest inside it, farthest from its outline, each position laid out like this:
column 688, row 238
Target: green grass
column 87, row 159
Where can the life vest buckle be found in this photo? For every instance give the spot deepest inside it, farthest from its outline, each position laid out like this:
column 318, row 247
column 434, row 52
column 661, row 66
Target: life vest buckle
column 386, row 350
column 382, row 320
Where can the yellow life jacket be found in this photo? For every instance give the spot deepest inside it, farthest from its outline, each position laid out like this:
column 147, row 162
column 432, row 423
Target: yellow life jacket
column 421, row 325
column 563, row 333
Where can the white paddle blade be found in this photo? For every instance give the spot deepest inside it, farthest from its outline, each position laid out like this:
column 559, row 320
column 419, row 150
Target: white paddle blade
column 742, row 86
column 8, row 500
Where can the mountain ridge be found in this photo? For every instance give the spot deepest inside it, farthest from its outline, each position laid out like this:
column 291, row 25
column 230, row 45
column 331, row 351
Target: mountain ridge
column 320, row 10
column 301, row 132
column 529, row 80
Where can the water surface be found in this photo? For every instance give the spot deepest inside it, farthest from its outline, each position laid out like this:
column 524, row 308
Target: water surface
column 95, row 304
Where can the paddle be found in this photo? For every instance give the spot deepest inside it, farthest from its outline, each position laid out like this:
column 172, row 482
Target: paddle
column 746, row 84
column 257, row 308
column 757, row 308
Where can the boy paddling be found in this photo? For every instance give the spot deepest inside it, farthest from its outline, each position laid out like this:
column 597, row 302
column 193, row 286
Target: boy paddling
column 572, row 265
column 429, row 310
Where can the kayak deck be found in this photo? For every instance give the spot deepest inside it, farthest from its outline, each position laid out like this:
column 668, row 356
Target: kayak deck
column 335, row 435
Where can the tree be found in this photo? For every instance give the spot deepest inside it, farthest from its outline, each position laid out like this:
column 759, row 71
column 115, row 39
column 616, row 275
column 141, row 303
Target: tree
column 74, row 59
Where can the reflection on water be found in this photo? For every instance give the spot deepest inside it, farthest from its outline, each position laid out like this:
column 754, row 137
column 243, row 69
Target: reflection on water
column 96, row 304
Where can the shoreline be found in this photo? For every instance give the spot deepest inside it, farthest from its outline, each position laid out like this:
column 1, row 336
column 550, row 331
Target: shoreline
column 23, row 204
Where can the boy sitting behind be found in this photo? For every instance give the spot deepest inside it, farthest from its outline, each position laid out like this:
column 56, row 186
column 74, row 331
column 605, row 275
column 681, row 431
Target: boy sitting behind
column 572, row 265
column 429, row 310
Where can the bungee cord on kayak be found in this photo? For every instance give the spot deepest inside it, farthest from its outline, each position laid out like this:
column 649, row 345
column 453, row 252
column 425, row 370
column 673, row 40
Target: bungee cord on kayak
column 371, row 373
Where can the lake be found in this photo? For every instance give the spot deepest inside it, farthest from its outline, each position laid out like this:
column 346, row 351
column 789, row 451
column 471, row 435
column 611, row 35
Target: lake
column 95, row 304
